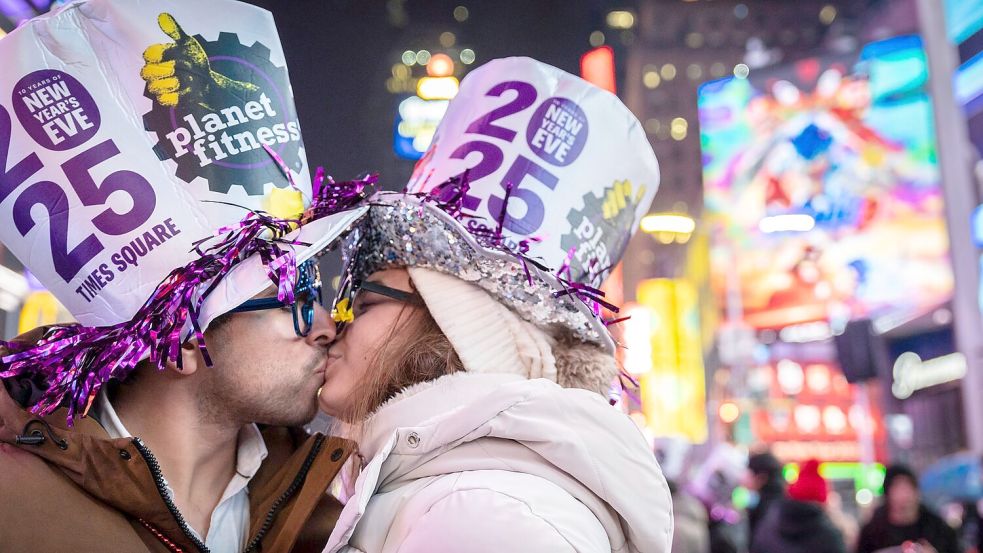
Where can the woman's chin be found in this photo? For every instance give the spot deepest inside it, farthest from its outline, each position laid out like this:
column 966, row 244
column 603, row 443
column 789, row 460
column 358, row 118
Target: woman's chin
column 327, row 405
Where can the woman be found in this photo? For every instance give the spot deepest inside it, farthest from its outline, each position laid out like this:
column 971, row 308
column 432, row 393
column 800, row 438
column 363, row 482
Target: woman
column 474, row 379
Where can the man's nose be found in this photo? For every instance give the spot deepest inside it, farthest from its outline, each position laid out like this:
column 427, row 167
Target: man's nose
column 323, row 329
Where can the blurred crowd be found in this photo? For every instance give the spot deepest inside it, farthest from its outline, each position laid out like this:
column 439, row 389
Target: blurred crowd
column 804, row 516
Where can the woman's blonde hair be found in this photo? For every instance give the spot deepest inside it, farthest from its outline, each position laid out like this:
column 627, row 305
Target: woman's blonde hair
column 414, row 351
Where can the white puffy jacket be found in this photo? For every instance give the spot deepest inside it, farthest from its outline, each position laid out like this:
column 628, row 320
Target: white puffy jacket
column 497, row 463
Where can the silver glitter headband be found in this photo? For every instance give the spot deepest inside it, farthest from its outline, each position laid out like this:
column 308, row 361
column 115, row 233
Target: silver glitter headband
column 401, row 230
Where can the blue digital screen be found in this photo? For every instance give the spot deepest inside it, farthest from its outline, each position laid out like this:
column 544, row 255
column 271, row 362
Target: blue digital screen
column 963, row 18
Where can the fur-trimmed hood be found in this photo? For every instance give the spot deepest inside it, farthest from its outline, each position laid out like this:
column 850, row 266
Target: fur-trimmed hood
column 489, row 338
column 492, row 430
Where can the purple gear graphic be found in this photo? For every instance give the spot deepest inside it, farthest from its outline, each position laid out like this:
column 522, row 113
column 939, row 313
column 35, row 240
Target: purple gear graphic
column 230, row 58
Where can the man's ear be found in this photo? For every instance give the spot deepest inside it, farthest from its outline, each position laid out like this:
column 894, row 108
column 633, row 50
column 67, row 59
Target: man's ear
column 191, row 360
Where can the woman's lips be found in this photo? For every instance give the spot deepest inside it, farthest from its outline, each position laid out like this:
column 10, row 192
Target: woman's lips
column 328, row 362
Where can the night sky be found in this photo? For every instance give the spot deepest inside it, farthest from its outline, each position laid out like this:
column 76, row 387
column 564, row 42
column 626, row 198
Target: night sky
column 340, row 54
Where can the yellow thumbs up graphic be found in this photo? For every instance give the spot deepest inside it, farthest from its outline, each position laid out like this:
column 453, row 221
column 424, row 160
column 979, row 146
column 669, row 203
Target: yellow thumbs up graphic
column 179, row 71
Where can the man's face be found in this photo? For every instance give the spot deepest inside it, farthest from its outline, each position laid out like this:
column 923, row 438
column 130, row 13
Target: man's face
column 903, row 498
column 753, row 480
column 263, row 371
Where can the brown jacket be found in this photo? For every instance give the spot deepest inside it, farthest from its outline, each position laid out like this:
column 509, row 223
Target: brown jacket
column 78, row 490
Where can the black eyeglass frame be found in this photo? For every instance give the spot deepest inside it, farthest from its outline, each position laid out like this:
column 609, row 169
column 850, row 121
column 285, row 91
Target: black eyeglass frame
column 308, row 287
column 411, row 298
column 394, row 293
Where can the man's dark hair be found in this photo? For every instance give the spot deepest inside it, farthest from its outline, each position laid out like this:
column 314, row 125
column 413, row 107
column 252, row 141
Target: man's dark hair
column 896, row 471
column 764, row 464
column 213, row 328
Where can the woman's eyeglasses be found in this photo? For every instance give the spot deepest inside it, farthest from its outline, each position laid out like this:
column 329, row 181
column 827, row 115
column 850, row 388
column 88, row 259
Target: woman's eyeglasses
column 344, row 313
column 307, row 292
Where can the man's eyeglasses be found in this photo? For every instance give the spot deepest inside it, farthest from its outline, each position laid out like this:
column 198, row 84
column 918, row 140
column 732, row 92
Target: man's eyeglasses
column 307, row 292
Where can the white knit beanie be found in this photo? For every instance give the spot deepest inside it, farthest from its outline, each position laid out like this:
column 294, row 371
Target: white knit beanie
column 489, row 338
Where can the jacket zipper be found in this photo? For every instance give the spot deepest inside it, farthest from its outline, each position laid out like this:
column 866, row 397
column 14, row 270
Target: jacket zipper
column 155, row 471
column 255, row 543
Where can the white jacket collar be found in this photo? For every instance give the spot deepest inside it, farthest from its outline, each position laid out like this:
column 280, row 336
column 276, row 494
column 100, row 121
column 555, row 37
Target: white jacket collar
column 422, row 403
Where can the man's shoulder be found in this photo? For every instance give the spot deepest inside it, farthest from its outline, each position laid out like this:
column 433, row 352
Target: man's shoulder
column 35, row 492
column 29, row 484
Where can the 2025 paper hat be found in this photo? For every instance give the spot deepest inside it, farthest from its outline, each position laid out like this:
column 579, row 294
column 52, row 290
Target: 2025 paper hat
column 532, row 187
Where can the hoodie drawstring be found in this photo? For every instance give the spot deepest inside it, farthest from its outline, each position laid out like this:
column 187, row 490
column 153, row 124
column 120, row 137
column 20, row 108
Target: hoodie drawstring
column 37, row 437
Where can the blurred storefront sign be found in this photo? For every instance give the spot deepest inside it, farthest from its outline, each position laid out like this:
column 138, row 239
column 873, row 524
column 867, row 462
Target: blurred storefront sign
column 673, row 387
column 40, row 308
column 806, row 409
column 597, row 67
column 637, row 356
column 805, row 450
column 13, row 288
column 868, row 477
column 418, row 115
column 416, row 123
column 24, row 303
column 823, row 194
column 911, row 373
column 964, row 27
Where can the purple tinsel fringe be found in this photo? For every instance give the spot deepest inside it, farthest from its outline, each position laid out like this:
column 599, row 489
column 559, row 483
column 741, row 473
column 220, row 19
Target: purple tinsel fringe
column 450, row 195
column 77, row 360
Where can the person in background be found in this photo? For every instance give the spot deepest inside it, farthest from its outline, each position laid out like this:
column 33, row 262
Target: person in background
column 713, row 484
column 691, row 533
column 903, row 519
column 799, row 522
column 765, row 482
column 845, row 522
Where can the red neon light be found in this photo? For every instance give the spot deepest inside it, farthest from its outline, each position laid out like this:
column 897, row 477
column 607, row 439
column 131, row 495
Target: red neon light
column 597, row 67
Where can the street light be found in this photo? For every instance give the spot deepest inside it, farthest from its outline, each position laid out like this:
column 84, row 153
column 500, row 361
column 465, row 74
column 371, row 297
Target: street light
column 793, row 222
column 665, row 222
column 440, row 65
column 621, row 19
column 437, row 88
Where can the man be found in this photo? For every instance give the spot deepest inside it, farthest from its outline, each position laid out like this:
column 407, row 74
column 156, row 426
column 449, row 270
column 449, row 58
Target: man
column 199, row 475
column 766, row 482
column 903, row 519
column 799, row 523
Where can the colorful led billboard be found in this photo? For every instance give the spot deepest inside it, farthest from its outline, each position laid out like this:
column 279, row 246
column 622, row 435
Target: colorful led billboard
column 822, row 189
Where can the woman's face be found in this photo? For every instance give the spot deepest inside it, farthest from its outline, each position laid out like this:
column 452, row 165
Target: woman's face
column 354, row 349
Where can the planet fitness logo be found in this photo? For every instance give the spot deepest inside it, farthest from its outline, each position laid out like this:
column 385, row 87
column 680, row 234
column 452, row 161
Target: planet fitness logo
column 215, row 105
column 601, row 230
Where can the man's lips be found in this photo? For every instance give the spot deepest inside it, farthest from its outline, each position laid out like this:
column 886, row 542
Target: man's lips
column 322, row 367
